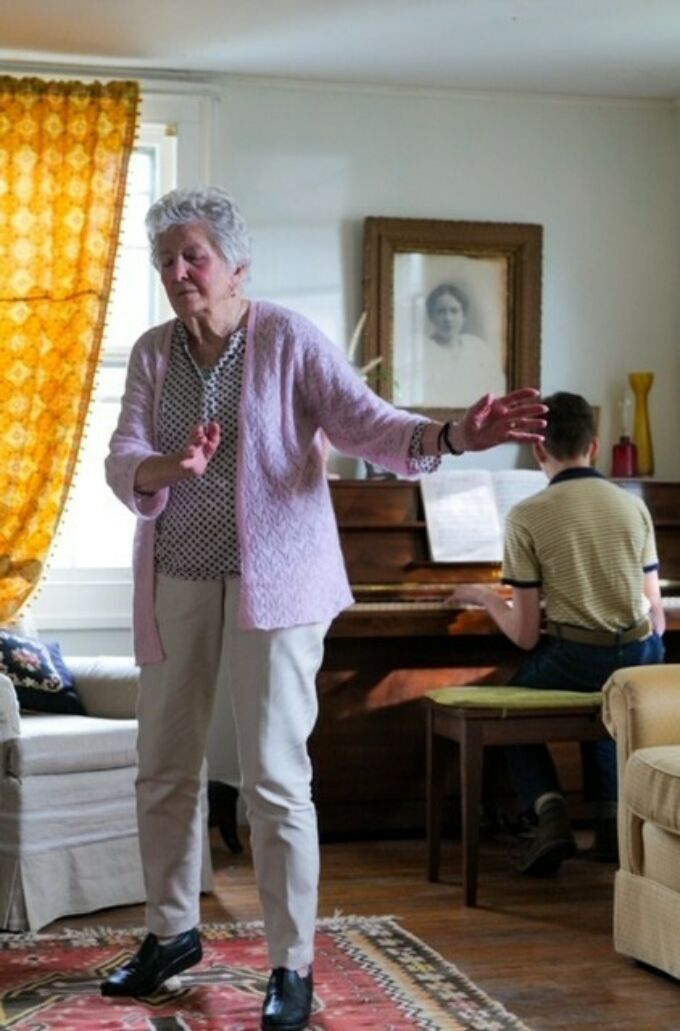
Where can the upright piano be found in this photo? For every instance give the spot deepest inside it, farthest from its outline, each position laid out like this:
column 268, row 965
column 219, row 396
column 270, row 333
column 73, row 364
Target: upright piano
column 402, row 639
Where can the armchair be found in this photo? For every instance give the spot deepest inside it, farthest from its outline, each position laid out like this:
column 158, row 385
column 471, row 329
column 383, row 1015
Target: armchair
column 68, row 829
column 641, row 709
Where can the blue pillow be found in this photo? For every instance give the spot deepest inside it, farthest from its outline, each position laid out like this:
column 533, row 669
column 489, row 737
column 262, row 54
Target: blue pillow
column 41, row 679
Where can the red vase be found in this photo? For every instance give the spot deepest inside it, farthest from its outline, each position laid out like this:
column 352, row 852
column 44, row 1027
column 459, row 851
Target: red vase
column 624, row 458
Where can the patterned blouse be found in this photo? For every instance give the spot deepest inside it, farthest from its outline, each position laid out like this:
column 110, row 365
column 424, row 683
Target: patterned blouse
column 196, row 535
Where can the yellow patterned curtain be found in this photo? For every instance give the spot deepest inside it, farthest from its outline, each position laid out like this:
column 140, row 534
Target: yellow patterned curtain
column 64, row 152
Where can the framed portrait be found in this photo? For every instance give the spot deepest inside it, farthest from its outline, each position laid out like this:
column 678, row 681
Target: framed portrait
column 453, row 310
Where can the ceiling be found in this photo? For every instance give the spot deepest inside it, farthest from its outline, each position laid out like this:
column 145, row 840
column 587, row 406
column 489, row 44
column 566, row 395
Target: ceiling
column 612, row 48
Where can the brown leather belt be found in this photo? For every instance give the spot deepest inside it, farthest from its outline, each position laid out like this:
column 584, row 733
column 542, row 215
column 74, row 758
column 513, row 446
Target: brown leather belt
column 603, row 638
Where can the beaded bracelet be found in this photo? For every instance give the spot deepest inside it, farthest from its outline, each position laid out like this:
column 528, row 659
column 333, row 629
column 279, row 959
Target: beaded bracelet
column 443, row 439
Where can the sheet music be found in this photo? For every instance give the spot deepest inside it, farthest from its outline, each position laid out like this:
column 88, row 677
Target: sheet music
column 513, row 485
column 465, row 510
column 462, row 516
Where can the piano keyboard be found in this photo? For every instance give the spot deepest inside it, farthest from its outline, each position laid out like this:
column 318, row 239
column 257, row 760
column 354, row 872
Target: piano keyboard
column 670, row 603
column 401, row 606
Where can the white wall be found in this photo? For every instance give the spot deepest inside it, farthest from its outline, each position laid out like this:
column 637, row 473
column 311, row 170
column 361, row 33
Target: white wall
column 307, row 164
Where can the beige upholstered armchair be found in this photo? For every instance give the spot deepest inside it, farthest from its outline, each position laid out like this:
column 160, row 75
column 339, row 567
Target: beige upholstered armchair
column 68, row 829
column 642, row 712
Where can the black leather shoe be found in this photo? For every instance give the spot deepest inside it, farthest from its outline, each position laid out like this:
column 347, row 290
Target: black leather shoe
column 153, row 964
column 287, row 1001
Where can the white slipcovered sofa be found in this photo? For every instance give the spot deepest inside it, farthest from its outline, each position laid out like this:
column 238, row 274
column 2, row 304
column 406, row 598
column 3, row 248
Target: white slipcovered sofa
column 68, row 831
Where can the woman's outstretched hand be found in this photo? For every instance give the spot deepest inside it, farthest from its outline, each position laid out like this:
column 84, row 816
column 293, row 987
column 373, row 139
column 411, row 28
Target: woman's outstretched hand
column 201, row 446
column 517, row 417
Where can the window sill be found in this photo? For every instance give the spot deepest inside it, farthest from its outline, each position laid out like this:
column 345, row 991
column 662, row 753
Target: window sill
column 93, row 599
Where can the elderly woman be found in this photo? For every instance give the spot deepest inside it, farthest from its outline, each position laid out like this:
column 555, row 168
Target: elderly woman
column 238, row 570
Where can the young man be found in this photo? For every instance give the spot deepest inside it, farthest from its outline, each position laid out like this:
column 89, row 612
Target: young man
column 586, row 548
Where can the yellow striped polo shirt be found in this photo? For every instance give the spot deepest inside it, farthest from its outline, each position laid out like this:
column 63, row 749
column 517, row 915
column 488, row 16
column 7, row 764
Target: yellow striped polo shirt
column 587, row 543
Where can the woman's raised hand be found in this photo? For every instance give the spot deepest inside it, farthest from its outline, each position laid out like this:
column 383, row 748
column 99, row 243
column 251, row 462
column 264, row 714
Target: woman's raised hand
column 518, row 416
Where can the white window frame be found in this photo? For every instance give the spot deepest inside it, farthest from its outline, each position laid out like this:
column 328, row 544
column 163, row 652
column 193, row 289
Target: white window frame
column 101, row 598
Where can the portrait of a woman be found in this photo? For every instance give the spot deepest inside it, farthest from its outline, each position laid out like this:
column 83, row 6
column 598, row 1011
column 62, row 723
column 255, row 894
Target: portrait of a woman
column 455, row 356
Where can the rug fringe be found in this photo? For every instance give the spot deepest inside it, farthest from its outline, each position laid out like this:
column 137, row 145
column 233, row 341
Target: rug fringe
column 238, row 928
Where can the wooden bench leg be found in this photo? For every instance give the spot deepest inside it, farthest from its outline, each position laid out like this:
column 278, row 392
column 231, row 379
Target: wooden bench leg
column 471, row 762
column 435, row 778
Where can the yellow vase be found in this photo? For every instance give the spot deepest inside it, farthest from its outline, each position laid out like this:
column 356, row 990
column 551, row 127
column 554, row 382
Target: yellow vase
column 641, row 384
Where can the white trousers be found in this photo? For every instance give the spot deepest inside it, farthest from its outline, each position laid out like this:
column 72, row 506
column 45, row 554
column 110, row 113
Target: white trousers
column 270, row 677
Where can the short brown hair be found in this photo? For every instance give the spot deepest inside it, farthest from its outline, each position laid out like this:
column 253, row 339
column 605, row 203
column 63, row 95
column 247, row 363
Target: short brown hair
column 571, row 425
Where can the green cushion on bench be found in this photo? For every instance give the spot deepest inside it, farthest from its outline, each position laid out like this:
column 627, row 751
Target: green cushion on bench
column 513, row 698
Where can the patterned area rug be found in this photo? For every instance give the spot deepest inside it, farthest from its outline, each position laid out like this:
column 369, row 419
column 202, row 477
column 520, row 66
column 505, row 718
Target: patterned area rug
column 369, row 973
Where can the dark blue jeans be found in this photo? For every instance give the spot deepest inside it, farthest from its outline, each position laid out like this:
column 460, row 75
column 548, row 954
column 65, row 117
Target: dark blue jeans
column 565, row 666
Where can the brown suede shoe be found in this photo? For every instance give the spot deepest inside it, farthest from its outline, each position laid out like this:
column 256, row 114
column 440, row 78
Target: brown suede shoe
column 606, row 845
column 552, row 843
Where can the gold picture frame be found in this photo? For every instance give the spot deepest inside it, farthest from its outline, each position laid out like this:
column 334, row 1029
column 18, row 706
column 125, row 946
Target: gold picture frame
column 453, row 309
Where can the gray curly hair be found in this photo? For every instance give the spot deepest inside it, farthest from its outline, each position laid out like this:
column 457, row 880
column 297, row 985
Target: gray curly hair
column 209, row 204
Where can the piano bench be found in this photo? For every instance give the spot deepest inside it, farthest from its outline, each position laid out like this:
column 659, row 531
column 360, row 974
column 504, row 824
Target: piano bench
column 474, row 717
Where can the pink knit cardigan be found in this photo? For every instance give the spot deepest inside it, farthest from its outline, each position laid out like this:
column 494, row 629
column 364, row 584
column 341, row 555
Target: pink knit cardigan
column 295, row 382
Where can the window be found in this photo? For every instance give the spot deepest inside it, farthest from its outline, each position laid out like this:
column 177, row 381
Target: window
column 88, row 582
column 93, row 514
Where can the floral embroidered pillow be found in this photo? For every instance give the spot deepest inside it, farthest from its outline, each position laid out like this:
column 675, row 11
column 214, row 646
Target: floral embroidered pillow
column 40, row 677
